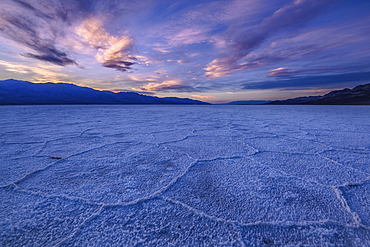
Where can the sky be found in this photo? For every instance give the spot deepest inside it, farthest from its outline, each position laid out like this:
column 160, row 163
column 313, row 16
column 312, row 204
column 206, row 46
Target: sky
column 214, row 51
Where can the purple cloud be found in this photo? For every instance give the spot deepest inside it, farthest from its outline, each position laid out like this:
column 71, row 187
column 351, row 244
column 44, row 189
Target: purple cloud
column 118, row 65
column 55, row 57
column 35, row 31
column 43, row 26
column 304, row 82
column 169, row 85
column 292, row 15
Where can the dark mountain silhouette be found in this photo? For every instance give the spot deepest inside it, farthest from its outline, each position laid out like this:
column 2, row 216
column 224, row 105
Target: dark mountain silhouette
column 359, row 95
column 14, row 92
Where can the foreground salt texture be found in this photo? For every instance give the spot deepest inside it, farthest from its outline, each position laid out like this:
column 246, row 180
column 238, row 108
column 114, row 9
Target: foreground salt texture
column 185, row 175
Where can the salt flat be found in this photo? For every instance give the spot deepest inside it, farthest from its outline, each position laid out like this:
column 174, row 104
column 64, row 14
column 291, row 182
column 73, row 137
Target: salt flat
column 147, row 175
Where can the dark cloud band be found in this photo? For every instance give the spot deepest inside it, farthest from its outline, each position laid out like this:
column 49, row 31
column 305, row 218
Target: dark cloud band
column 58, row 60
column 301, row 82
column 118, row 65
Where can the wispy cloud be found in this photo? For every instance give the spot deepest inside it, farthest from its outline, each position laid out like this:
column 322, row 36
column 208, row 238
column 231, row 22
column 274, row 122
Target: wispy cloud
column 37, row 32
column 160, row 72
column 203, row 96
column 13, row 67
column 164, row 86
column 226, row 66
column 282, row 72
column 204, row 22
column 167, row 85
column 295, row 14
column 188, row 36
column 37, row 72
column 47, row 30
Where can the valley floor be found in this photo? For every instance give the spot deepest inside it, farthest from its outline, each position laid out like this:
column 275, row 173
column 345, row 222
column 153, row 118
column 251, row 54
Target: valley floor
column 136, row 175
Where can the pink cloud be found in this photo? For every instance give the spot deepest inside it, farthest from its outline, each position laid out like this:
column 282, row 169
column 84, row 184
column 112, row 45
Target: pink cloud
column 282, row 72
column 166, row 85
column 203, row 96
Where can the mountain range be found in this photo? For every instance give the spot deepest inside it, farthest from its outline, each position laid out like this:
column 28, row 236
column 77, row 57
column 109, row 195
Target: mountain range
column 359, row 95
column 15, row 92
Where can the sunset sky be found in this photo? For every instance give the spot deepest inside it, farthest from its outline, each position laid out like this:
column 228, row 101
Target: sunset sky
column 215, row 51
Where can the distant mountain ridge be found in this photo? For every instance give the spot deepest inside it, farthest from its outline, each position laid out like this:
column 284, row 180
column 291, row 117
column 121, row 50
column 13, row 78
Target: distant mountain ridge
column 359, row 95
column 15, row 92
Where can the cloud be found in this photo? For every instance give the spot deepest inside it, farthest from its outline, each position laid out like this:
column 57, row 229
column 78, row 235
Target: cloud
column 182, row 61
column 293, row 15
column 203, row 96
column 113, row 52
column 313, row 46
column 160, row 72
column 36, row 30
column 188, row 36
column 229, row 65
column 36, row 11
column 164, row 86
column 53, row 56
column 46, row 28
column 226, row 66
column 298, row 82
column 146, row 60
column 40, row 72
column 282, row 72
column 118, row 65
column 170, row 85
column 13, row 67
column 202, row 22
